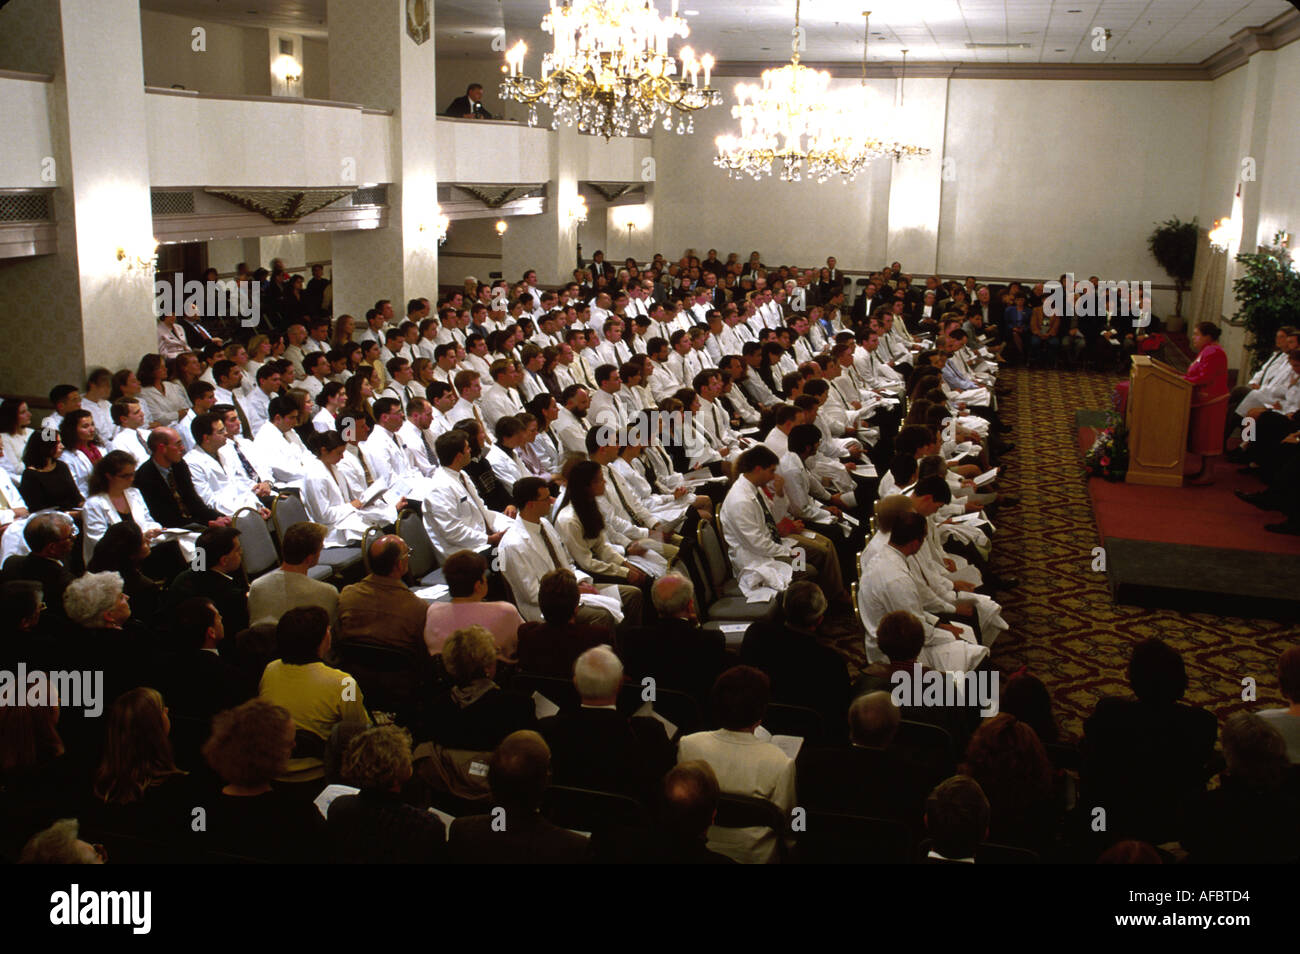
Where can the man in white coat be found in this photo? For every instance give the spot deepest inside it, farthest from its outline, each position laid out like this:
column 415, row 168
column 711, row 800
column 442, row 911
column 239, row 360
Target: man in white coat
column 455, row 517
column 887, row 586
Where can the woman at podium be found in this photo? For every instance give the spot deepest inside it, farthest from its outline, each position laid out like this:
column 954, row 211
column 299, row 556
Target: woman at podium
column 1209, row 375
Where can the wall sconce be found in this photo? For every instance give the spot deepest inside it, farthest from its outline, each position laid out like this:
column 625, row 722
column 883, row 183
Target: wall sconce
column 578, row 210
column 1222, row 235
column 501, row 227
column 439, row 227
column 286, row 69
column 138, row 261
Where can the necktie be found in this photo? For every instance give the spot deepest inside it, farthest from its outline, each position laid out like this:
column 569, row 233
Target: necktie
column 618, row 492
column 4, row 501
column 428, row 449
column 530, row 460
column 176, row 494
column 767, row 516
column 243, row 419
column 243, row 461
column 365, row 470
column 550, row 548
column 482, row 512
column 141, row 441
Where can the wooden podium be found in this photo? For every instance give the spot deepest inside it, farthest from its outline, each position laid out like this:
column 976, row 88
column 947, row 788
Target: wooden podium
column 1159, row 407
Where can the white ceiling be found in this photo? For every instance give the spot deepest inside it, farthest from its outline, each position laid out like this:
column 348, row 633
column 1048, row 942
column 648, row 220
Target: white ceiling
column 1056, row 31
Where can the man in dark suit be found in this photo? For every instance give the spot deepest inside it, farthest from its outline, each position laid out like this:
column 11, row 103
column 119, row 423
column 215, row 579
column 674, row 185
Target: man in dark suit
column 1147, row 759
column 515, row 831
column 803, row 672
column 676, row 651
column 551, row 647
column 168, row 489
column 595, row 746
column 49, row 536
column 469, row 106
column 220, row 580
column 872, row 776
column 194, row 679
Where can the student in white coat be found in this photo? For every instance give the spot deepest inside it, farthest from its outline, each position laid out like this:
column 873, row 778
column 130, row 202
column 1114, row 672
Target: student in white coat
column 216, row 475
column 332, row 500
column 887, row 586
column 454, row 514
column 278, row 445
column 112, row 499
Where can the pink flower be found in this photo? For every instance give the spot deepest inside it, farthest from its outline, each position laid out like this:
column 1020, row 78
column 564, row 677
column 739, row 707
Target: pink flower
column 1105, row 462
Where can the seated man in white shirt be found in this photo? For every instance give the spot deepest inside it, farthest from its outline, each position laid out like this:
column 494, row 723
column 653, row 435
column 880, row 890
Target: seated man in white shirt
column 278, row 446
column 334, row 494
column 744, row 763
column 403, row 471
column 417, row 433
column 887, row 586
column 531, row 548
column 217, row 477
column 202, row 398
column 470, row 388
column 613, row 349
column 501, row 456
column 128, row 416
column 606, row 407
column 454, row 514
column 712, row 418
column 501, row 399
column 259, row 399
column 316, row 366
column 570, row 427
column 443, row 397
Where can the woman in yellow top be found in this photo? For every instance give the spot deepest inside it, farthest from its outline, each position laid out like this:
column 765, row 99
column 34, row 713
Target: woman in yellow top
column 319, row 697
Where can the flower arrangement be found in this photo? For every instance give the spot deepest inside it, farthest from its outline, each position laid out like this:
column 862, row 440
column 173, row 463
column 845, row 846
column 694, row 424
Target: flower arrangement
column 1108, row 456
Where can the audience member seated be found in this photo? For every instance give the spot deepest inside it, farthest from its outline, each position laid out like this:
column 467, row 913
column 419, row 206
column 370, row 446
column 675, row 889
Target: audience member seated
column 466, row 573
column 61, row 844
column 49, row 538
column 217, row 574
column 168, row 488
column 195, row 678
column 38, row 782
column 1250, row 818
column 289, row 585
column 1287, row 721
column 688, row 808
column 475, row 713
column 956, row 820
column 550, row 647
column 375, row 826
column 676, row 651
column 515, row 832
column 138, row 790
column 803, row 672
column 1145, row 759
column 319, row 697
column 380, row 610
column 45, row 482
column 595, row 746
column 873, row 775
column 248, row 817
column 122, row 551
column 1011, row 765
column 106, row 637
column 743, row 763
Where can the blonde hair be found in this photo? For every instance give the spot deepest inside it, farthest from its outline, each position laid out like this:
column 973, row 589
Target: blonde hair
column 468, row 654
column 378, row 758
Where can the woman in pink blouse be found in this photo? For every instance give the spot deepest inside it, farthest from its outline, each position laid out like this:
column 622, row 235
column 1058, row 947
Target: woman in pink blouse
column 1209, row 374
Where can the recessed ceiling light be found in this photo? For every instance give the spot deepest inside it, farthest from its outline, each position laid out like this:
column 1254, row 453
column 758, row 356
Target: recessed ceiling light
column 692, row 13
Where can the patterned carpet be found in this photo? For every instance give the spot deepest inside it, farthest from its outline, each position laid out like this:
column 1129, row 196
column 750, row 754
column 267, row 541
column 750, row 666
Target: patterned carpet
column 1064, row 627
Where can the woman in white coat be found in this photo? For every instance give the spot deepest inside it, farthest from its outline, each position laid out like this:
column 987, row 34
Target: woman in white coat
column 582, row 528
column 330, row 498
column 80, row 452
column 111, row 499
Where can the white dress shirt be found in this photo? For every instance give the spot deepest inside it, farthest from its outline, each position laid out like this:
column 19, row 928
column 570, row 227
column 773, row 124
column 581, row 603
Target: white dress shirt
column 218, row 486
column 525, row 559
column 455, row 516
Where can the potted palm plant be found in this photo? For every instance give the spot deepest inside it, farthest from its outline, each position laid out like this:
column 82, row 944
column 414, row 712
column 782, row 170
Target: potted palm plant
column 1173, row 246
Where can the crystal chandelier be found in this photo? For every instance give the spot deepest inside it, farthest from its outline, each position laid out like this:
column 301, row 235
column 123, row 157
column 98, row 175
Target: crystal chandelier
column 610, row 71
column 792, row 124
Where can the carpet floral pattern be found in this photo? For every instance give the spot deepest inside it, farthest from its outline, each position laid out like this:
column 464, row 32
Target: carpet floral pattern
column 1064, row 626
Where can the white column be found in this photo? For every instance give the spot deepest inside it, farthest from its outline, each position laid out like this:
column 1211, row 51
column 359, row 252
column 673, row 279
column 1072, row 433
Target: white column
column 375, row 62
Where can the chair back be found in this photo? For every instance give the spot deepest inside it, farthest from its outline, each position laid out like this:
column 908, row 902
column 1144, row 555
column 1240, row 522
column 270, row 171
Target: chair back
column 748, row 811
column 287, row 510
column 837, row 839
column 713, row 554
column 585, row 809
column 370, row 536
column 931, row 745
column 800, row 721
column 677, row 707
column 259, row 551
column 410, row 527
column 559, row 691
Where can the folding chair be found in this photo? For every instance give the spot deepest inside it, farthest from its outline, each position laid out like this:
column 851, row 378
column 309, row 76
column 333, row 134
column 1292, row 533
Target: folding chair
column 336, row 561
column 257, row 544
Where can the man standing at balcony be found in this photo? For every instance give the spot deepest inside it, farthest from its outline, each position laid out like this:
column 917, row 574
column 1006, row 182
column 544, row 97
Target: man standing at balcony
column 469, row 106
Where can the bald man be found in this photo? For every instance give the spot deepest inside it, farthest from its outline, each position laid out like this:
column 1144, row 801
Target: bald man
column 379, row 610
column 515, row 832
